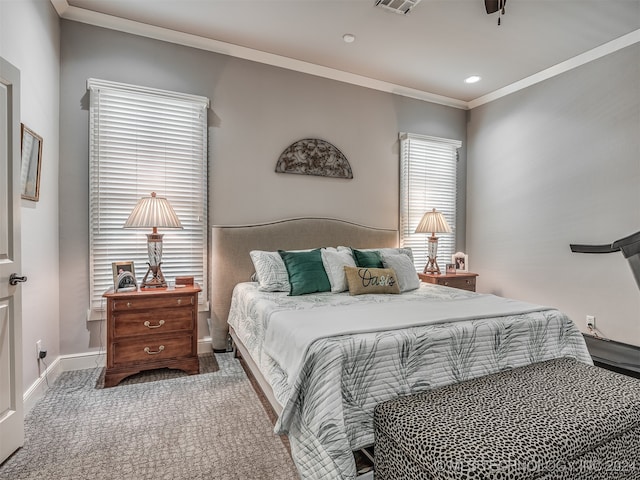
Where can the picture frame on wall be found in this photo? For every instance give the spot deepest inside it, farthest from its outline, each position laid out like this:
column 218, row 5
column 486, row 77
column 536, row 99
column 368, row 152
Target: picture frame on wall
column 124, row 276
column 461, row 261
column 31, row 163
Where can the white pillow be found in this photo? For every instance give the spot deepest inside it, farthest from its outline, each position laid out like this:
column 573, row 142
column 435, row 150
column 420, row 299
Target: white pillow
column 334, row 262
column 271, row 273
column 405, row 270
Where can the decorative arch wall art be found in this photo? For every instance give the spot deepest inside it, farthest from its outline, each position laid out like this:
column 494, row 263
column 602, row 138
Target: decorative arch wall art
column 312, row 156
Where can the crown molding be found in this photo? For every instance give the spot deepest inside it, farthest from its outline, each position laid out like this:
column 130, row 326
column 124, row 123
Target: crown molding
column 60, row 6
column 81, row 15
column 577, row 61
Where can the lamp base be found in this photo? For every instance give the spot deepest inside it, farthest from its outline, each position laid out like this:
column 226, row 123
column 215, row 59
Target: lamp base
column 432, row 267
column 157, row 278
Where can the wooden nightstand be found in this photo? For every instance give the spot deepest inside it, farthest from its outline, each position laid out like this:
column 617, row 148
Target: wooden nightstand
column 151, row 328
column 462, row 280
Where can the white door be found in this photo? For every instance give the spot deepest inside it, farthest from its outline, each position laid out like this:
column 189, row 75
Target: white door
column 11, row 414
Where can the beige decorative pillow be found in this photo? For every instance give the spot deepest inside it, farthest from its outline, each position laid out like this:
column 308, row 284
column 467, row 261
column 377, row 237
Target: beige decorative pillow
column 371, row 280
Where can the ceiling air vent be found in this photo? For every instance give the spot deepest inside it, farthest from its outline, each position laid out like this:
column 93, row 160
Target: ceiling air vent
column 398, row 6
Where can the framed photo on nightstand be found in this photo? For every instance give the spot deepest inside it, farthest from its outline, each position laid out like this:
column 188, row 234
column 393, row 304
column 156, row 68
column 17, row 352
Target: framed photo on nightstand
column 124, row 276
column 461, row 261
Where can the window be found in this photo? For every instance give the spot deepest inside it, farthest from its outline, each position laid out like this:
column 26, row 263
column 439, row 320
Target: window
column 143, row 140
column 427, row 180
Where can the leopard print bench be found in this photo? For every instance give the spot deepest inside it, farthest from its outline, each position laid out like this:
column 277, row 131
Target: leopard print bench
column 555, row 420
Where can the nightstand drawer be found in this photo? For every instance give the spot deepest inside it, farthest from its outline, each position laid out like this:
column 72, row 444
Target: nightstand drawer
column 155, row 302
column 462, row 281
column 468, row 283
column 152, row 322
column 152, row 349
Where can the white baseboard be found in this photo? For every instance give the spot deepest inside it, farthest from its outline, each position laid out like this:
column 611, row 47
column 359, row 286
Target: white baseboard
column 78, row 361
column 204, row 345
column 83, row 361
column 38, row 388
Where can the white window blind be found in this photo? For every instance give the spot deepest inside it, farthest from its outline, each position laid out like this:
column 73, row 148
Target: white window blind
column 143, row 140
column 427, row 180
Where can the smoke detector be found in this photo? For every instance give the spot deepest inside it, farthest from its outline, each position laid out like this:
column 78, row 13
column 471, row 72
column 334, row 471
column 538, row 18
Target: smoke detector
column 397, row 6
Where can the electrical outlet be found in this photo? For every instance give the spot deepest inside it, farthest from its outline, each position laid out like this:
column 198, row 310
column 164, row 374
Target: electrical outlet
column 38, row 348
column 591, row 322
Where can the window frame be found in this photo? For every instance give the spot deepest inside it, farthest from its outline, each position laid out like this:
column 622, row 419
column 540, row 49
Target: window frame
column 141, row 140
column 419, row 192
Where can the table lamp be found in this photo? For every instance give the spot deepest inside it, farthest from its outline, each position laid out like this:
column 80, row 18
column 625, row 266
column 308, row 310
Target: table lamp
column 433, row 222
column 153, row 212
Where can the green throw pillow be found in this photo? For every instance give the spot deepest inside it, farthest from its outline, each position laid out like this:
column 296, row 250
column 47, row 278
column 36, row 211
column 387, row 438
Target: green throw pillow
column 368, row 259
column 306, row 272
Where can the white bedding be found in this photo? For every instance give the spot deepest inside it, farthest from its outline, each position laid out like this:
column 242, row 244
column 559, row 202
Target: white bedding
column 332, row 384
column 289, row 333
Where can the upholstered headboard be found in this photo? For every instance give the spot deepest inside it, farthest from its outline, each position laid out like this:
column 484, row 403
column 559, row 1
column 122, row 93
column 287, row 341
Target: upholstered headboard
column 231, row 263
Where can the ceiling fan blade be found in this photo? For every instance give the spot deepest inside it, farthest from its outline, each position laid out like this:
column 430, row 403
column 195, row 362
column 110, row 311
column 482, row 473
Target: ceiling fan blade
column 492, row 6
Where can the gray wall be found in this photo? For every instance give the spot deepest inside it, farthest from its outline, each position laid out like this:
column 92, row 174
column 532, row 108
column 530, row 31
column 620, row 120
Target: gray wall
column 257, row 111
column 37, row 56
column 555, row 164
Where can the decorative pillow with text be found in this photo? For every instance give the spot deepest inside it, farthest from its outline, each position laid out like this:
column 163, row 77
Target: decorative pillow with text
column 362, row 280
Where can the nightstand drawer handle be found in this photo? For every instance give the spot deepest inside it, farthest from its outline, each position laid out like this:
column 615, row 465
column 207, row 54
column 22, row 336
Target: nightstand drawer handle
column 148, row 324
column 148, row 350
column 128, row 304
column 179, row 301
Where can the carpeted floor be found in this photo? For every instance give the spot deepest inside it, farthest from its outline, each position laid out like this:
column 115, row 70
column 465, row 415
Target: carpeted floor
column 156, row 425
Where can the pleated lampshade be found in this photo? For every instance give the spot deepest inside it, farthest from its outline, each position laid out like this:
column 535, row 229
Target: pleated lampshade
column 153, row 212
column 433, row 222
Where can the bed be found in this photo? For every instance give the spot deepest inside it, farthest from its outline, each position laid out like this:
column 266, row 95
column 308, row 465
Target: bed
column 325, row 389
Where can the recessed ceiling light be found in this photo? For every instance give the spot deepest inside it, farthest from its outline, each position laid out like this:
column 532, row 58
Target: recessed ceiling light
column 349, row 38
column 473, row 79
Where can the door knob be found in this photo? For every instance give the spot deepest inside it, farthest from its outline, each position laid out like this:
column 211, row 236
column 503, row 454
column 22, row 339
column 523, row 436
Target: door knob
column 15, row 279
